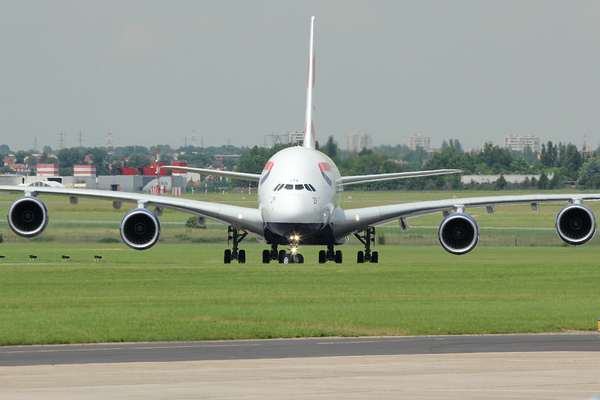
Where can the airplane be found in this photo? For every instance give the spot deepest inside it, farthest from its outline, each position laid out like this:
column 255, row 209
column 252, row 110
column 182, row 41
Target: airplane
column 300, row 203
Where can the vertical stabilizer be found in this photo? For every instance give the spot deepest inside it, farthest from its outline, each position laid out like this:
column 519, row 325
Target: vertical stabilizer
column 309, row 126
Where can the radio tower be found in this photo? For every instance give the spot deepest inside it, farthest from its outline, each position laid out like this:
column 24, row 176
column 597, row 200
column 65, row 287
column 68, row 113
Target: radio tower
column 109, row 142
column 80, row 139
column 61, row 141
column 194, row 137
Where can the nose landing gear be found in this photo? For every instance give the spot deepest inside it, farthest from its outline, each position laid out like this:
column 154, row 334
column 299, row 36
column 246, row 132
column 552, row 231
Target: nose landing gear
column 293, row 257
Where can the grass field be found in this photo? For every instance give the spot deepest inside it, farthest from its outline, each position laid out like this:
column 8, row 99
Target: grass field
column 181, row 290
column 184, row 292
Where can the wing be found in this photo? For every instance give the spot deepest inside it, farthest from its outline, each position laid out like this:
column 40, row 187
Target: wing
column 214, row 172
column 245, row 218
column 349, row 180
column 575, row 223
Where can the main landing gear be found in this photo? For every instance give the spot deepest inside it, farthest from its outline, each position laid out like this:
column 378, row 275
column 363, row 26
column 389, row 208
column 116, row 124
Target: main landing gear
column 330, row 255
column 366, row 239
column 234, row 254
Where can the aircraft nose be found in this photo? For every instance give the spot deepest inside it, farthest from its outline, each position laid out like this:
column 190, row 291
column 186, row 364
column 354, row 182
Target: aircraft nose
column 293, row 207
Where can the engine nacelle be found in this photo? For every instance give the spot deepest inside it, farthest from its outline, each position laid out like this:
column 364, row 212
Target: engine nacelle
column 458, row 233
column 140, row 229
column 576, row 224
column 28, row 216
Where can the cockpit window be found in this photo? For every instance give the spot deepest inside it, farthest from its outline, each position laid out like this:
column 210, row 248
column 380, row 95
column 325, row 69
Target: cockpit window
column 298, row 186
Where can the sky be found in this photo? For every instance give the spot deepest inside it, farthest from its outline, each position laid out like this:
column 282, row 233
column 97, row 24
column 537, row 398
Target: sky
column 157, row 72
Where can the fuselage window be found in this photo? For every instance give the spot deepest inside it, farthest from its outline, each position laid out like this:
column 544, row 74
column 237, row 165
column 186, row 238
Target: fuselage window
column 312, row 187
column 299, row 187
column 276, row 188
column 307, row 187
column 289, row 187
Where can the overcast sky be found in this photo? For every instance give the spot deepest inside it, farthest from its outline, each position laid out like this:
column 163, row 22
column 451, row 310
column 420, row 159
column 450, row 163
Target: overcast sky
column 151, row 72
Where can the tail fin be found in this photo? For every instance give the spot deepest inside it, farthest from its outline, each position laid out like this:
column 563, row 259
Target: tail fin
column 309, row 127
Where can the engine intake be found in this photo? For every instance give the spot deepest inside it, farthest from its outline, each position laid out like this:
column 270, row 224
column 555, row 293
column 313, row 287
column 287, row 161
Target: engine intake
column 576, row 224
column 458, row 233
column 140, row 229
column 27, row 216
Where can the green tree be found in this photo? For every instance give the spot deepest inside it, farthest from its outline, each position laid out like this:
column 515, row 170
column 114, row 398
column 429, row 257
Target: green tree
column 543, row 182
column 331, row 147
column 138, row 160
column 501, row 182
column 68, row 157
column 572, row 161
column 21, row 156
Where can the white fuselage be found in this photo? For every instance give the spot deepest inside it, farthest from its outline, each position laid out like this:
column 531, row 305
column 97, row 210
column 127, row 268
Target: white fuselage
column 298, row 194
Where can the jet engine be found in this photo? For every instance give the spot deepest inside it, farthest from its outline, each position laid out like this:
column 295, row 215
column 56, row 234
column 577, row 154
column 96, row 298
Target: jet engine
column 28, row 216
column 458, row 233
column 576, row 224
column 140, row 229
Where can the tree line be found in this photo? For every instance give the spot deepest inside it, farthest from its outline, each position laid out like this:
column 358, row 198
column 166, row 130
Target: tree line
column 563, row 162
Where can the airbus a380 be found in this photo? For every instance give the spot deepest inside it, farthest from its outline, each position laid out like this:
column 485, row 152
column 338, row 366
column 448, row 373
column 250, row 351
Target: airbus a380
column 300, row 203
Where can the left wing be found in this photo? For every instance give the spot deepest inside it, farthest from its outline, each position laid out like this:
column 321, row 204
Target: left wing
column 575, row 223
column 28, row 215
column 226, row 174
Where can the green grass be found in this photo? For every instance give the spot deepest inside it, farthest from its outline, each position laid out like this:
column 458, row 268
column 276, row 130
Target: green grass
column 184, row 292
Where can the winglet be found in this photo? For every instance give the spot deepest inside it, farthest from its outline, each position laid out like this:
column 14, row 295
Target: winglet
column 309, row 127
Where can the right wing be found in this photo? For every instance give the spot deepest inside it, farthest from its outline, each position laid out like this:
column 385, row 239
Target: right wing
column 245, row 218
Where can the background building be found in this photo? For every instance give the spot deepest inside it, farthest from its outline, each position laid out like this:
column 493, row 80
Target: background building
column 296, row 137
column 519, row 143
column 418, row 141
column 358, row 141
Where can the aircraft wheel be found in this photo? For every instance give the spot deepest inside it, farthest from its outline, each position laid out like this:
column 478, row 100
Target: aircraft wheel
column 227, row 257
column 300, row 259
column 281, row 255
column 287, row 259
column 375, row 257
column 322, row 257
column 242, row 257
column 266, row 256
column 360, row 258
column 338, row 257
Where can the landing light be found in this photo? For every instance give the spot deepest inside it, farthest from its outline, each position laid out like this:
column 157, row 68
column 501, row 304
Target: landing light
column 357, row 218
column 294, row 249
column 240, row 216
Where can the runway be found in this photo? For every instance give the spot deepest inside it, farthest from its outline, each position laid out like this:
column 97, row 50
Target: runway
column 294, row 348
column 548, row 366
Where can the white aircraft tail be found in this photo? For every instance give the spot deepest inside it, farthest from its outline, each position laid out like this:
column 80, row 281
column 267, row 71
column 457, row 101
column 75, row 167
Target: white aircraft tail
column 309, row 126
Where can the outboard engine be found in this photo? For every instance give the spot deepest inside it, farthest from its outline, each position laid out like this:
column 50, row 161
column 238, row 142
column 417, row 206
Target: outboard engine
column 140, row 229
column 576, row 224
column 458, row 233
column 28, row 216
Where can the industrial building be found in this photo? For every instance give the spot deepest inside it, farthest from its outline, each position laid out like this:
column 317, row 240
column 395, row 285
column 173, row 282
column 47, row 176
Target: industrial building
column 141, row 179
